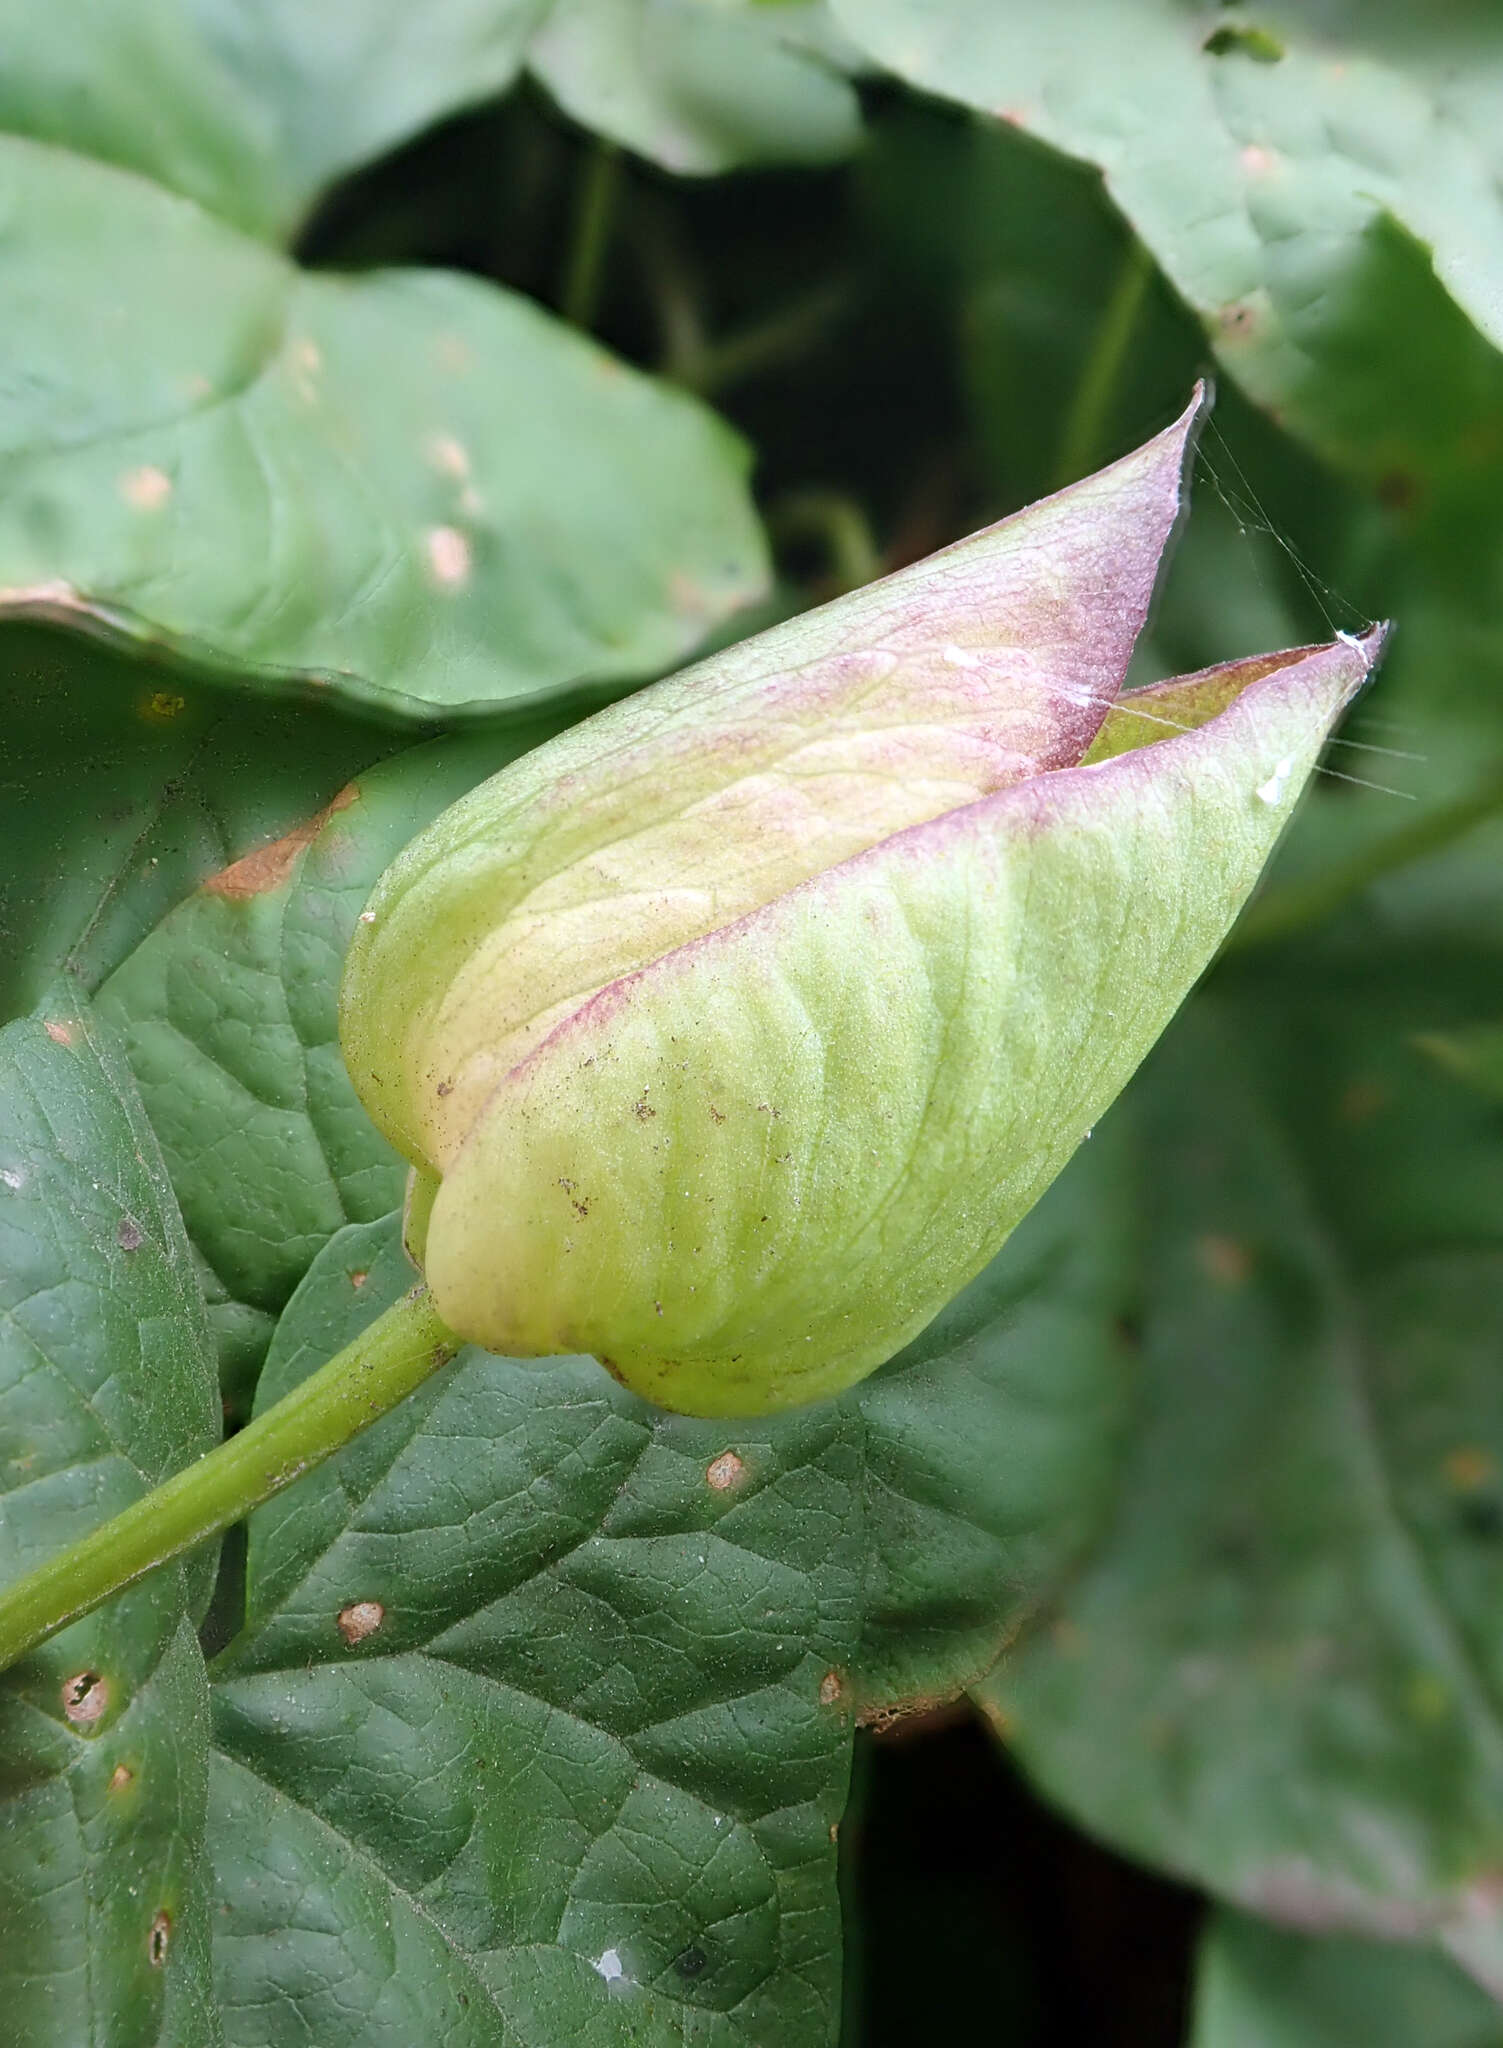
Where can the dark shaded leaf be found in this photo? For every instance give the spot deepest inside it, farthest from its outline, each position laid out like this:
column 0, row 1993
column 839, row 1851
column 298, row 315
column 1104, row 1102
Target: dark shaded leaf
column 107, row 1388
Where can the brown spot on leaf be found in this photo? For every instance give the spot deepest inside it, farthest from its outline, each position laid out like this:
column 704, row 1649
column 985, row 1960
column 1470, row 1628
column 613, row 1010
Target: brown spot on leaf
column 360, row 1619
column 1469, row 1467
column 831, row 1689
column 59, row 1032
column 129, row 1235
column 1362, row 1102
column 358, row 1280
column 156, row 1941
column 724, row 1472
column 258, row 873
column 919, row 1714
column 85, row 1697
column 1238, row 321
column 121, row 1776
column 1224, row 1260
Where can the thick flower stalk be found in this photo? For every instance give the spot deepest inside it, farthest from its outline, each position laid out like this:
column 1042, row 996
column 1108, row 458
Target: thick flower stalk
column 731, row 1033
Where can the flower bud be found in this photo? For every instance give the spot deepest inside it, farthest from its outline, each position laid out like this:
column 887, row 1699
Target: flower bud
column 731, row 1032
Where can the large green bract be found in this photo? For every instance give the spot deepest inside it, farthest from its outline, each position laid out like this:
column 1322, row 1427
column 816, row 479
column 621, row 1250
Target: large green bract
column 733, row 1031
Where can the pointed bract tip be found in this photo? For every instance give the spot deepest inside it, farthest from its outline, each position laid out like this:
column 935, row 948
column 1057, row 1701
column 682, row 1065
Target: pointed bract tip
column 1368, row 645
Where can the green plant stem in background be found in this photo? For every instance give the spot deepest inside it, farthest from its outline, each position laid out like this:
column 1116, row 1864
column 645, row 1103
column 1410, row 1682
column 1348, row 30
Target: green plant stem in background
column 1298, row 905
column 1085, row 423
column 838, row 524
column 769, row 344
column 599, row 188
column 360, row 1384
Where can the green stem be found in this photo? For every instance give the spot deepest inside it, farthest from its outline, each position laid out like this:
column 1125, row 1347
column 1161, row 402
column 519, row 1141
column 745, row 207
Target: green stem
column 1298, row 905
column 783, row 337
column 360, row 1384
column 599, row 185
column 1085, row 423
column 838, row 524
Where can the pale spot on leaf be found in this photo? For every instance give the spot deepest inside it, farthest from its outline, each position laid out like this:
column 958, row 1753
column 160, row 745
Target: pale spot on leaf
column 448, row 556
column 147, row 489
column 448, row 456
column 59, row 1032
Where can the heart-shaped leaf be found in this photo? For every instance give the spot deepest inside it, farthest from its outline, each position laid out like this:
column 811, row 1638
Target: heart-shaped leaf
column 548, row 1696
column 410, row 489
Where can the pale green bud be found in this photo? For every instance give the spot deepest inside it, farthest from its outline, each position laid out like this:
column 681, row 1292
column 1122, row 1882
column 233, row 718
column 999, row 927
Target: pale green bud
column 731, row 1032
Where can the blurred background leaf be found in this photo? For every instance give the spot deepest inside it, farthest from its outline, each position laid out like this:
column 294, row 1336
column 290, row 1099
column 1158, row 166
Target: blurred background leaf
column 1278, row 1676
column 1262, row 1987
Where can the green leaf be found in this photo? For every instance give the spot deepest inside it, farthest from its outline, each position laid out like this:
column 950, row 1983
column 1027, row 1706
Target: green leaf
column 539, row 1684
column 126, row 785
column 409, row 489
column 1296, row 202
column 1280, row 1675
column 552, row 1690
column 250, row 109
column 253, row 111
column 1259, row 1986
column 702, row 88
column 106, row 1386
column 227, row 1012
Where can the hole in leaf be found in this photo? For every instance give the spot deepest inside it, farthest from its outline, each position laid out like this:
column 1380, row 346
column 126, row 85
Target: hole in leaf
column 156, row 1941
column 1256, row 43
column 85, row 1697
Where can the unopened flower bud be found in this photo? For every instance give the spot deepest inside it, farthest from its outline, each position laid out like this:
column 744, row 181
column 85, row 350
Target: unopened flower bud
column 731, row 1032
